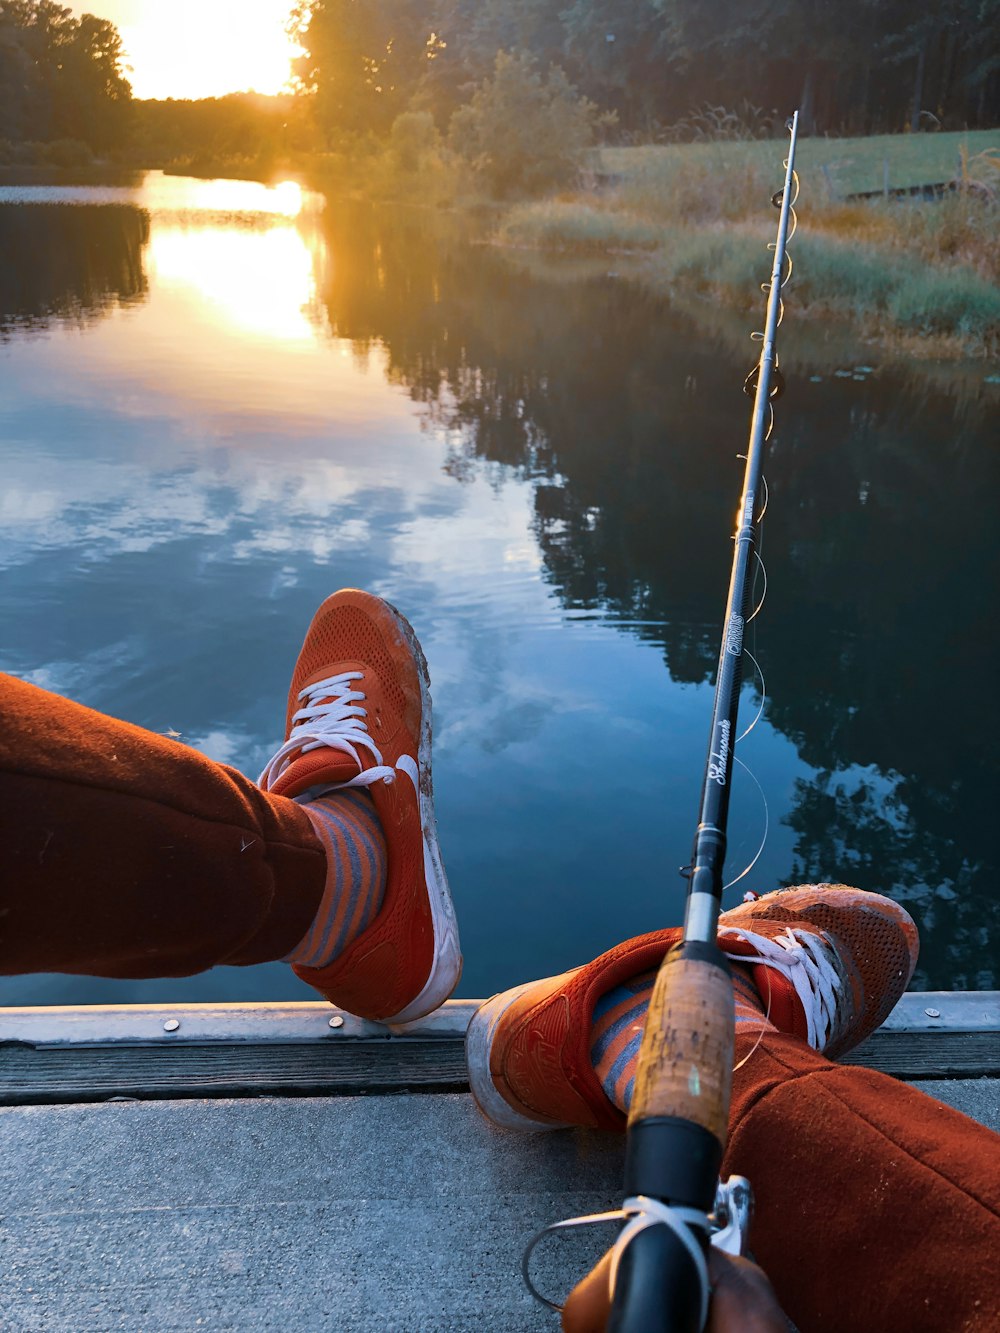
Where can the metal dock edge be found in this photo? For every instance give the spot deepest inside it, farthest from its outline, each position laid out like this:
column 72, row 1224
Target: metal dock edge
column 97, row 1053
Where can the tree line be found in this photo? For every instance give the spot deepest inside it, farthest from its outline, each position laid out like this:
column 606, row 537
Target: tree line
column 632, row 70
column 61, row 77
column 241, row 130
column 859, row 66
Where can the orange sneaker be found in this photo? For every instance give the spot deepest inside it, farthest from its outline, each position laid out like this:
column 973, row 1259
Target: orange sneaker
column 837, row 960
column 528, row 1049
column 359, row 715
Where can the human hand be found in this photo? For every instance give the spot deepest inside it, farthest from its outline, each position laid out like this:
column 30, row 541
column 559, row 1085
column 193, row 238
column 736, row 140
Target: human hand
column 743, row 1300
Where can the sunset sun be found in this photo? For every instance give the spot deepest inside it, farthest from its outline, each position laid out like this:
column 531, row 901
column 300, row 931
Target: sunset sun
column 201, row 48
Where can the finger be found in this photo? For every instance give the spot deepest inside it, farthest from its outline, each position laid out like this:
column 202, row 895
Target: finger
column 586, row 1310
column 743, row 1300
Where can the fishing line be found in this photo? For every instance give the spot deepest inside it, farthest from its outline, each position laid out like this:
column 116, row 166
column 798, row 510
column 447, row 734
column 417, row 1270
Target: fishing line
column 767, row 497
column 763, row 694
column 761, row 569
column 765, row 288
column 767, row 820
column 767, row 1020
column 763, row 482
column 763, row 572
column 570, row 1223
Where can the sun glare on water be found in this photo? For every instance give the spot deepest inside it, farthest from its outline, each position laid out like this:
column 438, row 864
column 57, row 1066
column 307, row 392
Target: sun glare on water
column 239, row 254
column 256, row 285
column 189, row 196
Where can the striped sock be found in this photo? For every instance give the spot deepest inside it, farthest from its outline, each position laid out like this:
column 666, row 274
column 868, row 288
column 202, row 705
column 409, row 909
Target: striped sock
column 346, row 824
column 620, row 1015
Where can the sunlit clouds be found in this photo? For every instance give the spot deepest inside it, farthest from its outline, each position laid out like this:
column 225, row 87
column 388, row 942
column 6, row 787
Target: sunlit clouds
column 201, row 48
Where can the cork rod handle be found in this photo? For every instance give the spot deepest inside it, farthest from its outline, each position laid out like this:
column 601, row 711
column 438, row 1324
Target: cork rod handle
column 686, row 1061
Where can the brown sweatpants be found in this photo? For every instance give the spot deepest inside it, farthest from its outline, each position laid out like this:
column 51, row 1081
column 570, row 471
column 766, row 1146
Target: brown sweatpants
column 877, row 1208
column 125, row 854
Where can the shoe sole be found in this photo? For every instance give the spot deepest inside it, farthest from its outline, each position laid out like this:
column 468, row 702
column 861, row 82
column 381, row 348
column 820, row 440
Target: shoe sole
column 446, row 966
column 478, row 1044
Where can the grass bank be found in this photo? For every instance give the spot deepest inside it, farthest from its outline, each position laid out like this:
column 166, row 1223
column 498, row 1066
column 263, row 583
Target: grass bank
column 694, row 218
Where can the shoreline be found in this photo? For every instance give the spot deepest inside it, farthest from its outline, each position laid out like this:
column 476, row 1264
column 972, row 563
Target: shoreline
column 915, row 275
column 904, row 306
column 911, row 280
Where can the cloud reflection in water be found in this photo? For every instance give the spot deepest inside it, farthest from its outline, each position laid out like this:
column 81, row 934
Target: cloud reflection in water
column 282, row 407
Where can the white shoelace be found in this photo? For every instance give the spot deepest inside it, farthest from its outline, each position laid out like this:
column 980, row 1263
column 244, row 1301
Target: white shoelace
column 805, row 960
column 331, row 716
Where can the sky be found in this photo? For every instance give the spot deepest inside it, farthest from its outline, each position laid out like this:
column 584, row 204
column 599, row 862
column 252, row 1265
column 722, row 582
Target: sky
column 200, row 48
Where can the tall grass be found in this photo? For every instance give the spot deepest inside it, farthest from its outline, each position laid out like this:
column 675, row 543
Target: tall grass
column 579, row 226
column 698, row 215
column 709, row 188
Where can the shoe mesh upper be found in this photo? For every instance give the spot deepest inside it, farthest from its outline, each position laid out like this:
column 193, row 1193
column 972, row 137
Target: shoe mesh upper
column 875, row 940
column 345, row 633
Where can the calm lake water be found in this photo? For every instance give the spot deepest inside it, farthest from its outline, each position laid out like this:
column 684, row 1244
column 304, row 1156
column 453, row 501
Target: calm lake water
column 220, row 402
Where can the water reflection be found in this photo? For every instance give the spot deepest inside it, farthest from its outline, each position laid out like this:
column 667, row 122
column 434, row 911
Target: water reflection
column 879, row 546
column 70, row 266
column 176, row 196
column 547, row 490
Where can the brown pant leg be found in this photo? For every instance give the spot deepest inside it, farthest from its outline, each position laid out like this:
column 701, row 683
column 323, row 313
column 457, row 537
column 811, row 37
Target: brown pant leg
column 878, row 1208
column 125, row 854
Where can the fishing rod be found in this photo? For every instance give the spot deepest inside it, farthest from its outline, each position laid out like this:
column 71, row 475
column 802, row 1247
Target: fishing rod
column 679, row 1118
column 675, row 1203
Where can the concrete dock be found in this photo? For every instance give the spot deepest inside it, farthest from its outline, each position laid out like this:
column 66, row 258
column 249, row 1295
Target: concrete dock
column 392, row 1214
column 154, row 1182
